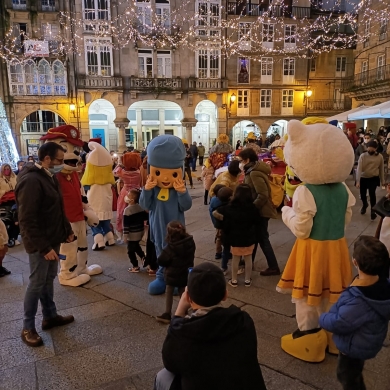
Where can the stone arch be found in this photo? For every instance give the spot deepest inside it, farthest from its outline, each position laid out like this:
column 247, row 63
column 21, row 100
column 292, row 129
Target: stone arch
column 241, row 129
column 206, row 129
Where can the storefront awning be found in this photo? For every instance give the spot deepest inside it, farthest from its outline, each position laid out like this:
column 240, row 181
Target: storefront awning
column 379, row 111
column 344, row 116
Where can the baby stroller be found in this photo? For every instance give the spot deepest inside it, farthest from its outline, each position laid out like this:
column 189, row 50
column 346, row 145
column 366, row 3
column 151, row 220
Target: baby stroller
column 7, row 215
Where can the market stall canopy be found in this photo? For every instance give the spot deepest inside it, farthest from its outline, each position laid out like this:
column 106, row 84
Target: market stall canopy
column 379, row 111
column 344, row 116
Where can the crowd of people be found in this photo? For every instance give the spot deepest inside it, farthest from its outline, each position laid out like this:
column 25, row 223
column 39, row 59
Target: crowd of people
column 240, row 207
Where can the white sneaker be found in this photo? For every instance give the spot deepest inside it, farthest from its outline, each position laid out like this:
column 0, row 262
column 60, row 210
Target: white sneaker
column 119, row 241
column 17, row 242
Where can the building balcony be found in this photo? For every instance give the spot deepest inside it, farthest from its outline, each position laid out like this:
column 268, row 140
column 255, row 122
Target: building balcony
column 301, row 12
column 99, row 82
column 155, row 84
column 368, row 85
column 328, row 105
column 212, row 85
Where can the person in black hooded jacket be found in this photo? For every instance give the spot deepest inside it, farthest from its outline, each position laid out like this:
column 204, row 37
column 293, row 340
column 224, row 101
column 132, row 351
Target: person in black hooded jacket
column 209, row 347
column 176, row 258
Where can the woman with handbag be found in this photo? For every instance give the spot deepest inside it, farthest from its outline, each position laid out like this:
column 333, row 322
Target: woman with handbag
column 369, row 175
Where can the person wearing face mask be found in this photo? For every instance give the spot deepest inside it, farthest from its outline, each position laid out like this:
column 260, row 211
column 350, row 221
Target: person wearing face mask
column 228, row 178
column 43, row 226
column 362, row 147
column 369, row 175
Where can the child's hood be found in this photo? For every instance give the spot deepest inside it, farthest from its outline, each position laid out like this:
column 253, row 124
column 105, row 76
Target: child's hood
column 376, row 296
column 186, row 245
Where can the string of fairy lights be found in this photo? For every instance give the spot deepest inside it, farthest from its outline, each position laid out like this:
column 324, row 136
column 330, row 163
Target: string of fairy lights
column 242, row 29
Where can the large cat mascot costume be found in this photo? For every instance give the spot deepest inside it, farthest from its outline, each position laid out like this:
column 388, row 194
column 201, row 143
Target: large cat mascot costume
column 74, row 270
column 319, row 266
column 164, row 195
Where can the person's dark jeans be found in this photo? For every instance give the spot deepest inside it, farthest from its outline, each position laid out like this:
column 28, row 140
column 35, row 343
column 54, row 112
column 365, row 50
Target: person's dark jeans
column 40, row 288
column 201, row 161
column 134, row 249
column 188, row 172
column 206, row 196
column 151, row 256
column 265, row 245
column 349, row 373
column 225, row 257
column 369, row 184
column 193, row 163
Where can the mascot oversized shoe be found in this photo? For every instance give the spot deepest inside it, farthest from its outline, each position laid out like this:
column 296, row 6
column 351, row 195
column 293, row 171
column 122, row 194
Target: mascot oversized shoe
column 157, row 287
column 308, row 346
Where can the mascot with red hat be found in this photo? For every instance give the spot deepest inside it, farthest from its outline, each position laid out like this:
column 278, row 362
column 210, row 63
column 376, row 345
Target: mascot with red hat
column 74, row 269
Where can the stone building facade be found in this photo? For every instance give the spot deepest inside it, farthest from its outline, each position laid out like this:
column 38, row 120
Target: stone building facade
column 127, row 95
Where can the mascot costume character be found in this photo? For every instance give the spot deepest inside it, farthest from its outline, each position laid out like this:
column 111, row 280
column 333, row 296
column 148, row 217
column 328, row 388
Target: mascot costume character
column 219, row 153
column 164, row 195
column 74, row 270
column 99, row 178
column 319, row 267
column 129, row 173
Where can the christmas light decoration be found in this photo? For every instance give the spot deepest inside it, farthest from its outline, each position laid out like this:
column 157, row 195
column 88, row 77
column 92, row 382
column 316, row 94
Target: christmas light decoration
column 8, row 153
column 261, row 30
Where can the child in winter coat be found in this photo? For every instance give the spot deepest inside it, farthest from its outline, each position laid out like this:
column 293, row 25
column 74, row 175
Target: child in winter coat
column 207, row 177
column 239, row 221
column 177, row 257
column 3, row 248
column 133, row 228
column 214, row 204
column 359, row 320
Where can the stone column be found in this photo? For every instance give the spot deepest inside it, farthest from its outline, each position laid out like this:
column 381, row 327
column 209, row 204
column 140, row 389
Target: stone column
column 121, row 124
column 140, row 140
column 161, row 117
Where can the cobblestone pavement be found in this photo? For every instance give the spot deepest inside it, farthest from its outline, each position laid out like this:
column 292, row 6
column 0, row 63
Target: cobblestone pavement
column 115, row 342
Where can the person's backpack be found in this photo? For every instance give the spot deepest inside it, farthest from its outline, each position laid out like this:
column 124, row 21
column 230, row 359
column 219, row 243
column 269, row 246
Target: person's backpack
column 277, row 189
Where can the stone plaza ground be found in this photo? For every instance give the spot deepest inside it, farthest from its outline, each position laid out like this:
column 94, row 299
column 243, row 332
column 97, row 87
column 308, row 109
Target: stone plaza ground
column 115, row 342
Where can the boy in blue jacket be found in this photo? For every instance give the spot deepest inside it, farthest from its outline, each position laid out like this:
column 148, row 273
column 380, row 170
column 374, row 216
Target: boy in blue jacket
column 359, row 320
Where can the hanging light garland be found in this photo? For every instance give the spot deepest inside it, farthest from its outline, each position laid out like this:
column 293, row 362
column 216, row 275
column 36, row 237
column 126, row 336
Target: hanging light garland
column 253, row 37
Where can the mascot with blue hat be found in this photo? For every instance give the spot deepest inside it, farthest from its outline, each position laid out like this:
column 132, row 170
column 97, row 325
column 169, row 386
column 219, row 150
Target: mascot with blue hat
column 164, row 195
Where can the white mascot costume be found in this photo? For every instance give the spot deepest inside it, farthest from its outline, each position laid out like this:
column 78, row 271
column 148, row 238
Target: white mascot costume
column 319, row 266
column 74, row 270
column 98, row 178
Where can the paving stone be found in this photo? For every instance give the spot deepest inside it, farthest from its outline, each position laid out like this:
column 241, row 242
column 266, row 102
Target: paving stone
column 96, row 280
column 14, row 352
column 98, row 331
column 18, row 378
column 145, row 381
column 10, row 281
column 101, row 364
column 16, row 267
column 11, row 311
column 270, row 323
column 12, row 294
column 133, row 296
column 276, row 381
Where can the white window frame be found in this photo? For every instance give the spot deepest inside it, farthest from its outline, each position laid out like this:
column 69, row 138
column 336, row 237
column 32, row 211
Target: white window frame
column 289, row 70
column 244, row 35
column 247, row 61
column 143, row 57
column 287, row 102
column 265, row 101
column 144, row 14
column 380, row 69
column 341, row 66
column 383, row 29
column 48, row 5
column 364, row 73
column 164, row 64
column 19, row 4
column 208, row 22
column 266, row 70
column 101, row 45
column 313, row 65
column 48, row 83
column 268, row 35
column 290, row 32
column 208, row 72
column 95, row 17
column 367, row 28
column 243, row 96
column 338, row 99
column 163, row 15
column 50, row 33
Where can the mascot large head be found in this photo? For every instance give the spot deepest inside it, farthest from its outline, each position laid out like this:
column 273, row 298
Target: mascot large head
column 318, row 153
column 99, row 166
column 166, row 154
column 69, row 138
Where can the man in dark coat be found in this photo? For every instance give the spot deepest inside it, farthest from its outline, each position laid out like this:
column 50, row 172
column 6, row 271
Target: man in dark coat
column 209, row 347
column 43, row 226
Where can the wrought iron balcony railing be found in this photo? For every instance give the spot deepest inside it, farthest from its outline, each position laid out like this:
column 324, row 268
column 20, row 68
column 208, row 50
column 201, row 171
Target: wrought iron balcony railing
column 100, row 82
column 370, row 78
column 328, row 105
column 207, row 84
column 158, row 84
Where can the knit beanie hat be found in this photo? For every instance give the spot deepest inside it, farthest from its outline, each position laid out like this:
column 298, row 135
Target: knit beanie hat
column 166, row 151
column 206, row 284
